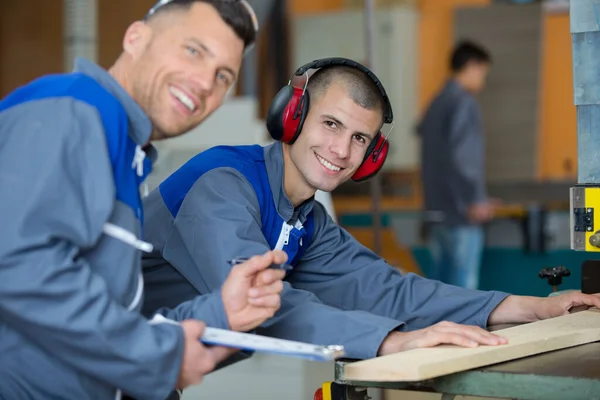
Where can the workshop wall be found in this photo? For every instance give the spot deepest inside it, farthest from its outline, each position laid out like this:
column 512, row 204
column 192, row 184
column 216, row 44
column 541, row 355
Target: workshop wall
column 113, row 19
column 436, row 27
column 306, row 7
column 510, row 102
column 299, row 7
column 556, row 132
column 32, row 44
column 558, row 118
column 31, row 41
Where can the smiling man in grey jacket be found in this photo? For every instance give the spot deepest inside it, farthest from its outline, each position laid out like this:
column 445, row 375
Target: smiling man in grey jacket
column 232, row 201
column 73, row 152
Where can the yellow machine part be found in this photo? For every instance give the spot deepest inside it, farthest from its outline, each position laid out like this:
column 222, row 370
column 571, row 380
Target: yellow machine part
column 592, row 201
column 327, row 391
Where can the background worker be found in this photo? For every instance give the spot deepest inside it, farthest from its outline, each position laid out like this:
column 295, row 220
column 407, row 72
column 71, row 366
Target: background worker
column 453, row 170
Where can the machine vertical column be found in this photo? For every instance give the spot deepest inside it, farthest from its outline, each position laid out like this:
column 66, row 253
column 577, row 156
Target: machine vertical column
column 375, row 184
column 585, row 35
column 585, row 21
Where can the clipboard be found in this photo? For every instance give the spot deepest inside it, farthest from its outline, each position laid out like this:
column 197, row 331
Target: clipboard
column 265, row 344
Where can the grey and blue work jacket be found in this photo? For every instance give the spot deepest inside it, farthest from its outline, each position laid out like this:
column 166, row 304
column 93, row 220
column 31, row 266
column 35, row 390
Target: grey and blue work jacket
column 229, row 202
column 71, row 288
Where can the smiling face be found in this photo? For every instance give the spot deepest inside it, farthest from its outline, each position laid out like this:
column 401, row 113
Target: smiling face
column 182, row 65
column 332, row 145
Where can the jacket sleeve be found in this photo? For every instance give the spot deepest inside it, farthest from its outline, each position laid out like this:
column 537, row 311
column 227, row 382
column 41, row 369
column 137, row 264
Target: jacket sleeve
column 207, row 307
column 219, row 220
column 345, row 274
column 57, row 192
column 468, row 150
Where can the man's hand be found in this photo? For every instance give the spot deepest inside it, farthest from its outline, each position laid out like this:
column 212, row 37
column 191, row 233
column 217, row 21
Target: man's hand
column 198, row 360
column 555, row 306
column 251, row 291
column 440, row 333
column 479, row 213
column 523, row 309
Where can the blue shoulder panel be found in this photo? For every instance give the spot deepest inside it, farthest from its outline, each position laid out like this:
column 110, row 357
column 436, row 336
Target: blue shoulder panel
column 250, row 162
column 121, row 147
column 174, row 189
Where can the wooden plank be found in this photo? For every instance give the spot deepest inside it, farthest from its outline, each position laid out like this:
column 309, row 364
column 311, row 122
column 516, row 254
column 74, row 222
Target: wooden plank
column 524, row 340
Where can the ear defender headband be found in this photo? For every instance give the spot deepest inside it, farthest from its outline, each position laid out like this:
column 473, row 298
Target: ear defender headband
column 290, row 106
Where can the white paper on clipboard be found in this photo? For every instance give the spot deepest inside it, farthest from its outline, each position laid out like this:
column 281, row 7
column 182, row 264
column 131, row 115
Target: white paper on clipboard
column 264, row 344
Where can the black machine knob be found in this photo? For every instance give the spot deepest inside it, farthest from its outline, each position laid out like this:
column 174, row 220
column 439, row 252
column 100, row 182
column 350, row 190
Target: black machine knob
column 554, row 275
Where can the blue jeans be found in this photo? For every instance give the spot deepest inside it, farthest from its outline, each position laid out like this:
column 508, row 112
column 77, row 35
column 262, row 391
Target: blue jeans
column 456, row 253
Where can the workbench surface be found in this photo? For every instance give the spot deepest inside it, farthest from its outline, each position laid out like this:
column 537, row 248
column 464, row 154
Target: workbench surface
column 568, row 374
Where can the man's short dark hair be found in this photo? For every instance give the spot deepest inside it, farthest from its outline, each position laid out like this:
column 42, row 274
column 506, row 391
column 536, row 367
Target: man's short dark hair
column 233, row 12
column 361, row 89
column 466, row 52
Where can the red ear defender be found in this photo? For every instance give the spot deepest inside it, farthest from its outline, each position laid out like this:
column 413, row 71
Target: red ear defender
column 374, row 159
column 286, row 114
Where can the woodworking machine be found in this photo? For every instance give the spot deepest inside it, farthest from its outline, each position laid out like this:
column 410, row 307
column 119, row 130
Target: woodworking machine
column 585, row 196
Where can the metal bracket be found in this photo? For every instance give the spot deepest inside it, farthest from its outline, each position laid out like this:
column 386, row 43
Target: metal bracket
column 584, row 219
column 576, row 223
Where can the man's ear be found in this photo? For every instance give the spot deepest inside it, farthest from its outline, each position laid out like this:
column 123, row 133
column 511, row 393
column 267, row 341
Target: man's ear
column 137, row 36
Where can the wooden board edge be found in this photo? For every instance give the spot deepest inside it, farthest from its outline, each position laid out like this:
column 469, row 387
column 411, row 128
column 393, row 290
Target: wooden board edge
column 373, row 370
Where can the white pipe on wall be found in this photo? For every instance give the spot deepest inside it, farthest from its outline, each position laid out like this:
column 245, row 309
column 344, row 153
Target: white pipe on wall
column 80, row 31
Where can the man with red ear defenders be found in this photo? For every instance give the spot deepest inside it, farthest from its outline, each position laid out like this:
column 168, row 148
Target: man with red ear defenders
column 237, row 201
column 289, row 110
